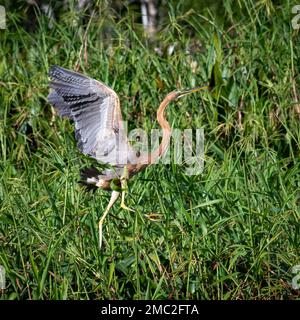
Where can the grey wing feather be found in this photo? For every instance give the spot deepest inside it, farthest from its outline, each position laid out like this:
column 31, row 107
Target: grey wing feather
column 95, row 109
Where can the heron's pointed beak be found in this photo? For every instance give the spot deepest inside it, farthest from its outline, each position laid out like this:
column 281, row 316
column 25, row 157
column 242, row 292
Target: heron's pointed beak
column 188, row 91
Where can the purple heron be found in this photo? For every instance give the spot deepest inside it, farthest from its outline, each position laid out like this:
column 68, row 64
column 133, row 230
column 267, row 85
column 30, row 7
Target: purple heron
column 99, row 130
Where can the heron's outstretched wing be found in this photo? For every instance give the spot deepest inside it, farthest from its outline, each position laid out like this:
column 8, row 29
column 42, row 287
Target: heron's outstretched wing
column 95, row 109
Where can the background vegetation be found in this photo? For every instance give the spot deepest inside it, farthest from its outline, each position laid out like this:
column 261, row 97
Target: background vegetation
column 231, row 232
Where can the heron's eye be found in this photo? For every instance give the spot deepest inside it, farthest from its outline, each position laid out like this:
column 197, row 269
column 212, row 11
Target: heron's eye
column 138, row 154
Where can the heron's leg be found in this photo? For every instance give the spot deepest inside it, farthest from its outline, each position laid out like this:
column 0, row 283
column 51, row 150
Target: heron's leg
column 124, row 189
column 124, row 179
column 113, row 198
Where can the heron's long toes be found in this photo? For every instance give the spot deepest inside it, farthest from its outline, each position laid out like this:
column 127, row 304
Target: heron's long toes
column 123, row 206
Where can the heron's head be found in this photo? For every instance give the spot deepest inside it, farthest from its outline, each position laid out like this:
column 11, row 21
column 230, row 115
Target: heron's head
column 184, row 92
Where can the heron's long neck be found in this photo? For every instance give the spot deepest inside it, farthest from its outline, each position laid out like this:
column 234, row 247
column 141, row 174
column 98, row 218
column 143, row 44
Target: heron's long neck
column 166, row 130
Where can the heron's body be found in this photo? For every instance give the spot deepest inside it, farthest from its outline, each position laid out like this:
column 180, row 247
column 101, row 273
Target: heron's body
column 93, row 179
column 99, row 130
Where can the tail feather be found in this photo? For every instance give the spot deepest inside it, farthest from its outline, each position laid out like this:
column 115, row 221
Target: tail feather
column 89, row 178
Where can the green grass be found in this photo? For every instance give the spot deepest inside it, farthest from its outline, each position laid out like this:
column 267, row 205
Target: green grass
column 230, row 233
